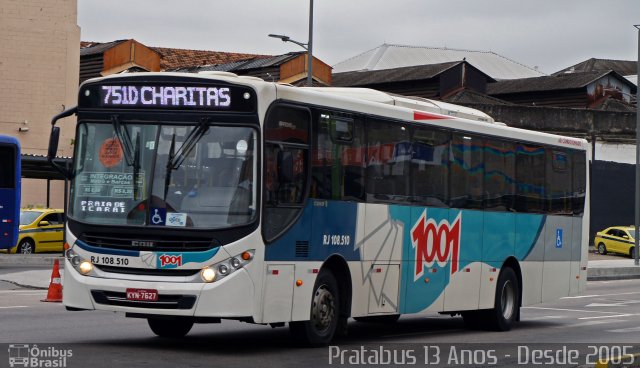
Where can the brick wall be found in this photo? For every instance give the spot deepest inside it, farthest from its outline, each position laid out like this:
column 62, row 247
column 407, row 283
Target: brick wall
column 39, row 68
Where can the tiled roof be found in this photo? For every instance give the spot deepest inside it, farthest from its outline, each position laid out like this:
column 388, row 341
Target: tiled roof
column 389, row 56
column 622, row 67
column 171, row 58
column 549, row 83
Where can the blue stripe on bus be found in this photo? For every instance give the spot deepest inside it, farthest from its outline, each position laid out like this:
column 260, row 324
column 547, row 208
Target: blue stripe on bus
column 324, row 228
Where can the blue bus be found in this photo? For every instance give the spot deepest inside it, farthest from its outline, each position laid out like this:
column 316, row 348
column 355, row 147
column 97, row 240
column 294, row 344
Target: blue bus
column 9, row 191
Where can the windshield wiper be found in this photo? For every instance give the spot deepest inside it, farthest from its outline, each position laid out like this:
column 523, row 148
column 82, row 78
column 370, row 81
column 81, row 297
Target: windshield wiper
column 124, row 138
column 189, row 144
column 167, row 176
column 136, row 167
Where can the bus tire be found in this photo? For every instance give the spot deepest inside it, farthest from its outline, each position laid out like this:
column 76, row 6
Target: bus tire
column 170, row 328
column 26, row 246
column 506, row 307
column 324, row 314
column 387, row 318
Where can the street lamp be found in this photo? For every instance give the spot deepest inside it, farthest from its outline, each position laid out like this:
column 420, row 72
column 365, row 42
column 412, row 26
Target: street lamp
column 307, row 46
column 637, row 204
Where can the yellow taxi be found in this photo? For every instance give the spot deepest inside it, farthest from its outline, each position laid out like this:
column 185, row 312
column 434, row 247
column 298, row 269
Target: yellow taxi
column 40, row 231
column 616, row 239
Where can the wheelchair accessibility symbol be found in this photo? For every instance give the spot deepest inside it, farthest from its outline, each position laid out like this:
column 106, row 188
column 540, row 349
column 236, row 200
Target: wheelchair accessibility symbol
column 158, row 216
column 558, row 238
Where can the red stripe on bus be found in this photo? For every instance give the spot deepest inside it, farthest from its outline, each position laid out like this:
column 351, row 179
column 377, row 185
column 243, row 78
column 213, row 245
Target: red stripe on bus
column 419, row 115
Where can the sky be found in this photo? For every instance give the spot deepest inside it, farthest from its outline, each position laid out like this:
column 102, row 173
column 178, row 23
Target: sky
column 548, row 34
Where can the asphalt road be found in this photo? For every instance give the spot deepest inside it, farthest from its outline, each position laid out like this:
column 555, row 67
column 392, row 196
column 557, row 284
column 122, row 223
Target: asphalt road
column 606, row 315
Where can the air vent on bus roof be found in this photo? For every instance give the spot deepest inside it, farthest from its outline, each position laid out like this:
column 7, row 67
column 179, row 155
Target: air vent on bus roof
column 218, row 73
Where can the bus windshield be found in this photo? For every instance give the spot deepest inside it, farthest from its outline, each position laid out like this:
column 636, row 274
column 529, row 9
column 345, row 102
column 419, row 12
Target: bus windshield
column 170, row 175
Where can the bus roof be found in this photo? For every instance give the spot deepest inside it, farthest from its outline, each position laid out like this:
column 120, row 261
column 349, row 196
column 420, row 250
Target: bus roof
column 373, row 102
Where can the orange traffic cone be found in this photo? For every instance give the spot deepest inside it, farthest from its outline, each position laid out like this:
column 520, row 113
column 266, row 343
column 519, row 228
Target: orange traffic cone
column 55, row 286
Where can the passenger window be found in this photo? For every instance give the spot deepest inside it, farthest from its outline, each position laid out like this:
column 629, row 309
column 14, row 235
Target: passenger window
column 338, row 157
column 430, row 167
column 467, row 171
column 558, row 182
column 499, row 175
column 388, row 162
column 530, row 178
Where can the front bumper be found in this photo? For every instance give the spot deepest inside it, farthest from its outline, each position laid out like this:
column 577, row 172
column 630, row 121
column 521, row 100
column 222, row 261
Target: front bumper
column 226, row 298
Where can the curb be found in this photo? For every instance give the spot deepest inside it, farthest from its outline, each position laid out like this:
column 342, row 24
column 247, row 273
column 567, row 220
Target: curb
column 29, row 259
column 612, row 273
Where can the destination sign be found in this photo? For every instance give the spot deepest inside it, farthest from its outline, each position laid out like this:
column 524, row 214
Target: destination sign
column 166, row 96
column 172, row 95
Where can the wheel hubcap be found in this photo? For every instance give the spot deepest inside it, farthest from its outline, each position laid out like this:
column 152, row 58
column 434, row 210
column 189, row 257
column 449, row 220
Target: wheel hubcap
column 601, row 249
column 507, row 300
column 26, row 248
column 323, row 309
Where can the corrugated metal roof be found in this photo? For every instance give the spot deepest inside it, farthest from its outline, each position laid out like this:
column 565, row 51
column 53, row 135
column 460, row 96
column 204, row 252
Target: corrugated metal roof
column 367, row 77
column 389, row 56
column 622, row 67
column 550, row 83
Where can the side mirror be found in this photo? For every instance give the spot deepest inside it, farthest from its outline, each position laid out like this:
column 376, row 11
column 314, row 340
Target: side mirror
column 285, row 167
column 53, row 142
column 44, row 223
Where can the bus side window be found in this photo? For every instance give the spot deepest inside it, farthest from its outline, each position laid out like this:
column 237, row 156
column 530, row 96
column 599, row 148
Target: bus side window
column 286, row 139
column 430, row 167
column 530, row 178
column 559, row 182
column 467, row 171
column 579, row 187
column 500, row 174
column 338, row 157
column 388, row 162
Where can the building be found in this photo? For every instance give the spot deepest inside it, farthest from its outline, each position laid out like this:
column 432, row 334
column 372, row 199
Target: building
column 39, row 62
column 388, row 56
column 101, row 59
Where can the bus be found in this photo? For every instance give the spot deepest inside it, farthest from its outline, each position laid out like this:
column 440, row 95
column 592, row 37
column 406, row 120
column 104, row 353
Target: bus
column 201, row 197
column 10, row 179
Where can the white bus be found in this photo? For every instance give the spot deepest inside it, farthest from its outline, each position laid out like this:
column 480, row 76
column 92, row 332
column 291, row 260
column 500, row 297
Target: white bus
column 201, row 197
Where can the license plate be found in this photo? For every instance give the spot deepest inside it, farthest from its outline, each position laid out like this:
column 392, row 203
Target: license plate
column 147, row 295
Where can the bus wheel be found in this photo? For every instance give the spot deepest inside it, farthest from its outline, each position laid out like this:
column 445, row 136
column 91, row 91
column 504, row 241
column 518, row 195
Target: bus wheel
column 325, row 312
column 387, row 318
column 26, row 246
column 171, row 328
column 602, row 249
column 505, row 311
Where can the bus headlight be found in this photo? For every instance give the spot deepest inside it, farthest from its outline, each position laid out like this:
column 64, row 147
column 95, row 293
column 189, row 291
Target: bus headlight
column 225, row 268
column 85, row 267
column 208, row 274
column 81, row 265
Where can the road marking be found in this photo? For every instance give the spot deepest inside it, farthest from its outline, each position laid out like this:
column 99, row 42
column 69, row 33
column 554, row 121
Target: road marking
column 571, row 310
column 623, row 330
column 15, row 306
column 614, row 316
column 598, row 295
